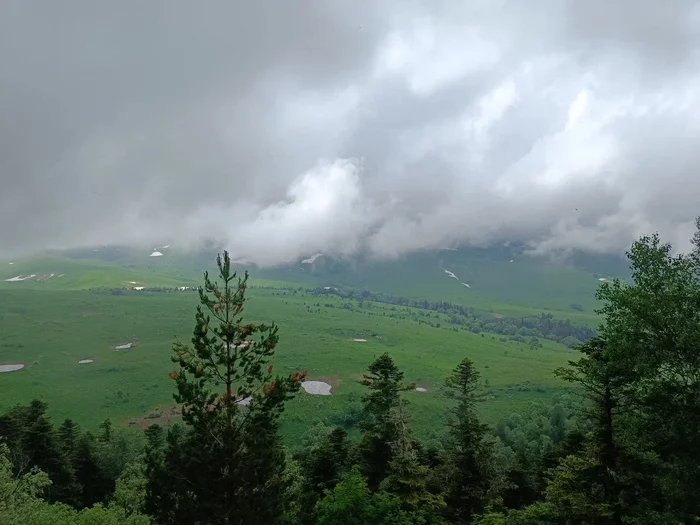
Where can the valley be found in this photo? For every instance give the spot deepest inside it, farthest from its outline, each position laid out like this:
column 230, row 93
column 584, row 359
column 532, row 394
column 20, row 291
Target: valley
column 411, row 309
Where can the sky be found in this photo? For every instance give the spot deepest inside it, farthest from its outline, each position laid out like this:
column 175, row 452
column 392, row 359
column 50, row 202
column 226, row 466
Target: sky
column 283, row 129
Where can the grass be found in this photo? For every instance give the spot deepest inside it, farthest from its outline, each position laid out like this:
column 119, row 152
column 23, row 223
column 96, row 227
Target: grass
column 50, row 330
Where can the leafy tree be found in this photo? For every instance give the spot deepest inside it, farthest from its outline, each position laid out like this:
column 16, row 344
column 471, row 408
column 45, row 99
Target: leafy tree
column 652, row 333
column 469, row 456
column 228, row 466
column 130, row 492
column 352, row 503
column 117, row 447
column 379, row 430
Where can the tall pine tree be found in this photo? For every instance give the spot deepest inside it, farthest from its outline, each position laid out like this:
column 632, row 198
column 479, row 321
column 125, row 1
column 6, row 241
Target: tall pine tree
column 228, row 466
column 468, row 466
column 385, row 383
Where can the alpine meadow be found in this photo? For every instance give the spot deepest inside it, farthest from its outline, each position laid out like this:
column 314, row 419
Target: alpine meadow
column 361, row 263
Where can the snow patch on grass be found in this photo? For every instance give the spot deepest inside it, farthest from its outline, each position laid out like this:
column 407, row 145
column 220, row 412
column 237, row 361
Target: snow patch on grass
column 450, row 274
column 317, row 388
column 20, row 278
column 11, row 367
column 311, row 259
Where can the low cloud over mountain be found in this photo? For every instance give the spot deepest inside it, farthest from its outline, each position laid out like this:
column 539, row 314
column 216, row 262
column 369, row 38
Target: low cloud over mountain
column 287, row 128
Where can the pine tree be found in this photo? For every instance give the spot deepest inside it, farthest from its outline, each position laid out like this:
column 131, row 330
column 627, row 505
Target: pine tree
column 228, row 466
column 323, row 465
column 379, row 430
column 468, row 455
column 407, row 477
column 95, row 483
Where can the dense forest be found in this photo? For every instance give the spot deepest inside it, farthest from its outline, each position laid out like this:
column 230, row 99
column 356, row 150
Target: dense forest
column 624, row 449
column 544, row 325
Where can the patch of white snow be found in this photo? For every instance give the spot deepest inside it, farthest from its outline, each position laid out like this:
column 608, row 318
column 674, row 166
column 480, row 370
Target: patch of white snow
column 85, row 361
column 20, row 278
column 450, row 274
column 11, row 368
column 156, row 254
column 317, row 388
column 311, row 259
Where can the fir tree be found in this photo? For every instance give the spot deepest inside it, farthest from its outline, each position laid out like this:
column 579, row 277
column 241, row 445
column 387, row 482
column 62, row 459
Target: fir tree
column 379, row 430
column 324, row 464
column 228, row 466
column 33, row 442
column 407, row 477
column 468, row 465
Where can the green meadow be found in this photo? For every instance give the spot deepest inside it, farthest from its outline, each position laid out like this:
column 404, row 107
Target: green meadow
column 50, row 330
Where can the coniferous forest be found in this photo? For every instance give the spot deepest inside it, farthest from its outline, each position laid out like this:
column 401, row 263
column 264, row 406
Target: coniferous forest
column 625, row 448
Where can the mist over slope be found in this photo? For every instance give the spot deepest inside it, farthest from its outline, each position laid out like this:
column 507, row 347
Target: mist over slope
column 502, row 275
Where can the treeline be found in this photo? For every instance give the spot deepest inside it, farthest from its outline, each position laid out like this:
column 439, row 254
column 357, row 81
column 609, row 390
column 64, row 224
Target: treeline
column 48, row 473
column 543, row 325
column 626, row 453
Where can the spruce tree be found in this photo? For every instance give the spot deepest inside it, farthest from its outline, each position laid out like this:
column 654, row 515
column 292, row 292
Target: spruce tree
column 407, row 478
column 323, row 465
column 468, row 465
column 34, row 442
column 228, row 466
column 379, row 430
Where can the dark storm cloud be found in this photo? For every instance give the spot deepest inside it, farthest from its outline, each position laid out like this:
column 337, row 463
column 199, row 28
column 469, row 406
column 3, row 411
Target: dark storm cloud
column 284, row 128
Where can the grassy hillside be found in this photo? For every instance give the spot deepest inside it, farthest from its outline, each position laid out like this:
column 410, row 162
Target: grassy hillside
column 79, row 305
column 496, row 278
column 50, row 331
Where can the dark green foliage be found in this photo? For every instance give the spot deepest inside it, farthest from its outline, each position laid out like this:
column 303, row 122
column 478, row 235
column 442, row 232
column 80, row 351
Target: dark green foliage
column 638, row 461
column 227, row 466
column 352, row 503
column 385, row 383
column 33, row 442
column 543, row 325
column 407, row 477
column 96, row 483
column 468, row 471
column 627, row 453
column 324, row 464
